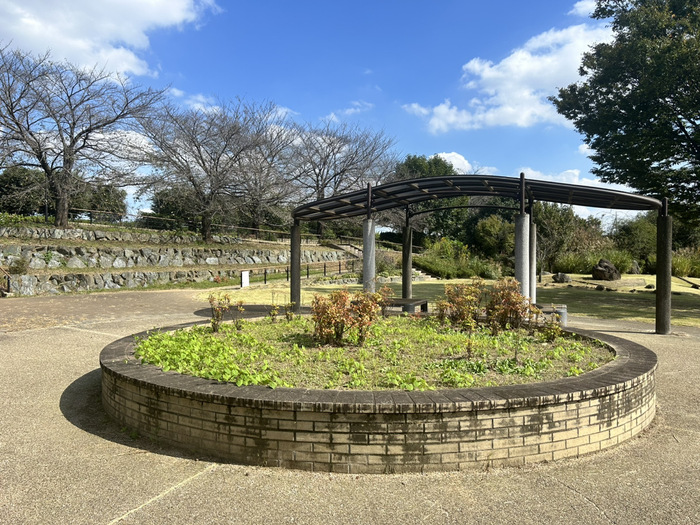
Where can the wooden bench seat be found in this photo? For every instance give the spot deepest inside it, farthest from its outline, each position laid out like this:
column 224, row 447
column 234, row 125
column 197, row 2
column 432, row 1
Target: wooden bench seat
column 409, row 305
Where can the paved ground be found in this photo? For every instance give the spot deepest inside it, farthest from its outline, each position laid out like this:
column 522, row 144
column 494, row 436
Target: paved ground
column 63, row 461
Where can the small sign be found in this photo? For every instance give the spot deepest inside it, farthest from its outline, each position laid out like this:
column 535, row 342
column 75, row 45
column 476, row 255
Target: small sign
column 245, row 278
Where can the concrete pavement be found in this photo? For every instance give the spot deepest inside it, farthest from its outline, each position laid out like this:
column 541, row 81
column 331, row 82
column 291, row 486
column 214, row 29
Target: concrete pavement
column 63, row 461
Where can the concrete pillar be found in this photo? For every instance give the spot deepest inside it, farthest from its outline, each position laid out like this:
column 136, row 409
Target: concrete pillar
column 522, row 252
column 407, row 262
column 533, row 262
column 295, row 268
column 664, row 256
column 368, row 256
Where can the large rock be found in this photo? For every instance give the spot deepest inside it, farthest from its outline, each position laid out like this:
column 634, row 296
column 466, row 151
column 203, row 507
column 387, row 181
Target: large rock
column 561, row 278
column 606, row 271
column 75, row 262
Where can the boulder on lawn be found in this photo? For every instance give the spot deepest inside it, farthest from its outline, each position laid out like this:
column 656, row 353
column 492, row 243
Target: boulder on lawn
column 606, row 271
column 636, row 270
column 561, row 278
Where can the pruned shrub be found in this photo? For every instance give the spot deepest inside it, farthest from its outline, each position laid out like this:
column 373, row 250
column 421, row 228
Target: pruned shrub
column 507, row 307
column 463, row 304
column 336, row 315
column 221, row 304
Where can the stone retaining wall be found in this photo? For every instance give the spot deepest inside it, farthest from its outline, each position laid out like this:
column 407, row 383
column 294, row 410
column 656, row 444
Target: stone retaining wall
column 80, row 257
column 84, row 234
column 83, row 282
column 61, row 269
column 388, row 431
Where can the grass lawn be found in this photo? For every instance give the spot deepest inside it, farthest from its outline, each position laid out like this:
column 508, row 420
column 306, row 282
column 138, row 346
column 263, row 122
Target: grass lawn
column 581, row 299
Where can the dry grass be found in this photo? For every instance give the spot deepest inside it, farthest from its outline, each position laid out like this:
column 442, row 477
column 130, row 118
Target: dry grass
column 630, row 300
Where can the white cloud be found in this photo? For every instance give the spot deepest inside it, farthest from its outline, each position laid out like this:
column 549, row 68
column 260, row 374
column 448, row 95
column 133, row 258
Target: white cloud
column 201, row 102
column 416, row 109
column 583, row 8
column 463, row 166
column 331, row 117
column 109, row 33
column 459, row 163
column 514, row 91
column 585, row 150
column 574, row 177
column 357, row 106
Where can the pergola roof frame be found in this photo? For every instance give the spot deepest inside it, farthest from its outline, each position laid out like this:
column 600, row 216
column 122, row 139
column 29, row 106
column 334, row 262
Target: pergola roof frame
column 404, row 193
column 407, row 192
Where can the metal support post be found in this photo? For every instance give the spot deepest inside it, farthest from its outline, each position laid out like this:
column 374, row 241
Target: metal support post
column 664, row 234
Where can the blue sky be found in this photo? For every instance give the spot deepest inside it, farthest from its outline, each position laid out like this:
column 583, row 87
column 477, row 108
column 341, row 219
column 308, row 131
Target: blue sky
column 466, row 79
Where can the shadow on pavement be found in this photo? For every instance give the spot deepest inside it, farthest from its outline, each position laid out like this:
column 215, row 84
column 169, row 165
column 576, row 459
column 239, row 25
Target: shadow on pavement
column 81, row 405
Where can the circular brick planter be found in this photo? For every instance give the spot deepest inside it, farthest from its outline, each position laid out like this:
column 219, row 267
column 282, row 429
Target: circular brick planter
column 384, row 431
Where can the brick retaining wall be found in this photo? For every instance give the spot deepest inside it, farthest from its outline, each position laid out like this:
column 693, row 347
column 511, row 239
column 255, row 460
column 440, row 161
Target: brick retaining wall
column 385, row 431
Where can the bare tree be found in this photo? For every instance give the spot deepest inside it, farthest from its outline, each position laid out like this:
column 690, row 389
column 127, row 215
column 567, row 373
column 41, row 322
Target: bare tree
column 67, row 121
column 263, row 184
column 335, row 158
column 203, row 151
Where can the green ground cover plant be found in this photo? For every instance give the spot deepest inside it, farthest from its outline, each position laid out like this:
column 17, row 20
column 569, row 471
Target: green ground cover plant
column 348, row 344
column 398, row 353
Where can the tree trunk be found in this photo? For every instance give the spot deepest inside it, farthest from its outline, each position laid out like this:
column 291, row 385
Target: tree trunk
column 206, row 227
column 62, row 207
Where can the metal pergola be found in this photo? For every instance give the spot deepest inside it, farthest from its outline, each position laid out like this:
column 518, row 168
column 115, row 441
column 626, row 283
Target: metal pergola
column 402, row 194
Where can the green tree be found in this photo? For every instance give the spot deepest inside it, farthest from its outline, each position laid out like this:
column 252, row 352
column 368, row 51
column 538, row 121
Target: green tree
column 638, row 104
column 495, row 237
column 556, row 231
column 431, row 219
column 105, row 202
column 170, row 211
column 637, row 235
column 22, row 191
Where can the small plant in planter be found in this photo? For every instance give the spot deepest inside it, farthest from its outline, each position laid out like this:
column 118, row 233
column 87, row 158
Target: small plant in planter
column 334, row 316
column 289, row 312
column 386, row 294
column 220, row 304
column 237, row 316
column 507, row 307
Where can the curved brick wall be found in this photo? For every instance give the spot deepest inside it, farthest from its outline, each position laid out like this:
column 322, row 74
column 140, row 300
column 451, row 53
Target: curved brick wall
column 389, row 431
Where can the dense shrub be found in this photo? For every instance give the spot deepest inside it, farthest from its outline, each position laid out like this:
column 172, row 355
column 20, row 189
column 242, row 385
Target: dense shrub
column 11, row 219
column 462, row 305
column 387, row 263
column 507, row 307
column 340, row 317
column 450, row 259
column 686, row 263
column 622, row 259
column 573, row 262
column 570, row 262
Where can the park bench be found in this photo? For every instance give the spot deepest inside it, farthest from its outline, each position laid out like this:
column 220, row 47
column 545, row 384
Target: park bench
column 409, row 305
